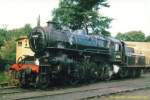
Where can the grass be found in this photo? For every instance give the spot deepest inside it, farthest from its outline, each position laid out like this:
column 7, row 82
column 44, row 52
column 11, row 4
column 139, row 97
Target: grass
column 4, row 77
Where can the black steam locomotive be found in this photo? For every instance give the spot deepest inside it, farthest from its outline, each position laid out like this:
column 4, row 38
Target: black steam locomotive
column 75, row 57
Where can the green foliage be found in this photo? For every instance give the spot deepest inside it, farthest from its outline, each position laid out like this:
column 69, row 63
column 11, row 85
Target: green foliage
column 16, row 33
column 131, row 36
column 8, row 51
column 120, row 36
column 82, row 14
column 4, row 78
column 147, row 39
column 3, row 36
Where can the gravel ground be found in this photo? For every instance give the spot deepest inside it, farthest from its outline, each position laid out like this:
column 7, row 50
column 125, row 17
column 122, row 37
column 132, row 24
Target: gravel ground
column 100, row 88
column 135, row 95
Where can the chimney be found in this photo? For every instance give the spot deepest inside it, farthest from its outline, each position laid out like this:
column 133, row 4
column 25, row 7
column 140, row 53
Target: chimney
column 38, row 21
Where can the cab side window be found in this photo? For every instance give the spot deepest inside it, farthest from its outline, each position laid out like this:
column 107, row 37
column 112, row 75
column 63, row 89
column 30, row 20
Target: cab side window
column 112, row 46
column 117, row 47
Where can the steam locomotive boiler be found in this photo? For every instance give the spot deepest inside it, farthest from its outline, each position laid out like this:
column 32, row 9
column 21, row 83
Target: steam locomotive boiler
column 75, row 57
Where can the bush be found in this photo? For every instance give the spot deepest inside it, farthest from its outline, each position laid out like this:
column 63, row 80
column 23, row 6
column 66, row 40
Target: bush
column 4, row 77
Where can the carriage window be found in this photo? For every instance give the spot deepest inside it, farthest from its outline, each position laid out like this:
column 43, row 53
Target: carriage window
column 130, row 50
column 20, row 44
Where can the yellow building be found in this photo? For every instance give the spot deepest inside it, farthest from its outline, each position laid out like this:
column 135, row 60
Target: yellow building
column 141, row 48
column 22, row 48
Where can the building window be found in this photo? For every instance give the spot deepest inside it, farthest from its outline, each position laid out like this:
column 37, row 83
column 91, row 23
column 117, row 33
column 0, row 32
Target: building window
column 26, row 43
column 19, row 43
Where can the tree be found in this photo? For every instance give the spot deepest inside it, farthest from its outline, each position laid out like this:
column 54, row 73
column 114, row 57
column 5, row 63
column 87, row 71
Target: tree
column 82, row 14
column 132, row 36
column 21, row 31
column 27, row 29
column 121, row 36
column 147, row 39
column 3, row 36
column 8, row 51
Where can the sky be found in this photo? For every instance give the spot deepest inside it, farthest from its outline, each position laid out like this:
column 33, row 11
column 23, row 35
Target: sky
column 128, row 15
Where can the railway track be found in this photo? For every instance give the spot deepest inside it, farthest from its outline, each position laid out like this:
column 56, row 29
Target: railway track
column 12, row 90
column 83, row 92
column 7, row 87
column 4, row 84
